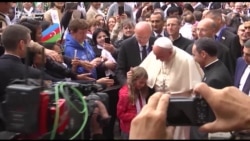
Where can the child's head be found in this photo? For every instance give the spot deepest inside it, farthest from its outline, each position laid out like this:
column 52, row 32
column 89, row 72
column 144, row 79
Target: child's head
column 137, row 83
column 139, row 77
column 37, row 60
column 54, row 46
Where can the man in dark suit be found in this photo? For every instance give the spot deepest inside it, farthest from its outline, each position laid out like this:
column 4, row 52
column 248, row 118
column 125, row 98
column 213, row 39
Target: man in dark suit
column 157, row 21
column 11, row 65
column 242, row 72
column 133, row 50
column 242, row 80
column 216, row 74
column 161, row 5
column 173, row 25
column 223, row 34
column 200, row 6
column 206, row 28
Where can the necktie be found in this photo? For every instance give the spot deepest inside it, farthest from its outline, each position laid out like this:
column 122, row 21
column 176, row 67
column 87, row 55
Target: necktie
column 159, row 35
column 216, row 38
column 144, row 52
column 246, row 87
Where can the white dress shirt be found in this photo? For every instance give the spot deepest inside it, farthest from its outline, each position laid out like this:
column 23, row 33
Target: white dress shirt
column 244, row 78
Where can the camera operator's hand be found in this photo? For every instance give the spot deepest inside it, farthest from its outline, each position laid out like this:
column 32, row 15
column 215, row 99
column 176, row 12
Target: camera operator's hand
column 100, row 110
column 106, row 81
column 230, row 106
column 150, row 123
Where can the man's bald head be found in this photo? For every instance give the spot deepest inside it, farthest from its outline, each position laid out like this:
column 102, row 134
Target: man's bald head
column 206, row 28
column 143, row 31
column 143, row 26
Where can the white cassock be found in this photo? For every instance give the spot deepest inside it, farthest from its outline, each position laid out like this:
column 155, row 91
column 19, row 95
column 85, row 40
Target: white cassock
column 179, row 75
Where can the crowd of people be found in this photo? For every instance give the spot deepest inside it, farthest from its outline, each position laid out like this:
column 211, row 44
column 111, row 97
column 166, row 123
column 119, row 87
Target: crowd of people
column 146, row 51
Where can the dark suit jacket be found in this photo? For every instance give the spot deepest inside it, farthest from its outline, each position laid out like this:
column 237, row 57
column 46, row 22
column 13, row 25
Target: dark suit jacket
column 158, row 5
column 129, row 56
column 217, row 75
column 12, row 68
column 200, row 7
column 231, row 41
column 223, row 54
column 240, row 68
column 182, row 42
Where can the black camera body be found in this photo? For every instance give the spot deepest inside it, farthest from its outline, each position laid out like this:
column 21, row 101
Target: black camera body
column 103, row 97
column 92, row 92
column 189, row 111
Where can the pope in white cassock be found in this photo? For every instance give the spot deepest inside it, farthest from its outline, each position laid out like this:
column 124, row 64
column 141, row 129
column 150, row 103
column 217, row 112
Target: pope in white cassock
column 174, row 71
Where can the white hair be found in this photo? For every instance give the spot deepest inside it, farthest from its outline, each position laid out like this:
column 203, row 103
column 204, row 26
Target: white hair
column 163, row 42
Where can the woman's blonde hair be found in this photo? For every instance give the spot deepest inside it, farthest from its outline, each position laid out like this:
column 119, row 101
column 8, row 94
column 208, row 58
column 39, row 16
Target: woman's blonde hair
column 137, row 73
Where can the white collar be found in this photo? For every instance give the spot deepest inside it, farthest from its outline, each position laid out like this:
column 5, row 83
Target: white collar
column 211, row 63
column 28, row 11
column 99, row 47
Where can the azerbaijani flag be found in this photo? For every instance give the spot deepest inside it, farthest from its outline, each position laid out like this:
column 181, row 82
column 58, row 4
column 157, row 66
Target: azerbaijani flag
column 51, row 34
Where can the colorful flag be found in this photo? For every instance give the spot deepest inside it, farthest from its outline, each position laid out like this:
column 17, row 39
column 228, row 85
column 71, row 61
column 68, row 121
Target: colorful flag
column 51, row 34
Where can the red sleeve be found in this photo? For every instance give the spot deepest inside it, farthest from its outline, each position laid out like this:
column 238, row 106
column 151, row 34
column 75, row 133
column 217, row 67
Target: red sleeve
column 122, row 105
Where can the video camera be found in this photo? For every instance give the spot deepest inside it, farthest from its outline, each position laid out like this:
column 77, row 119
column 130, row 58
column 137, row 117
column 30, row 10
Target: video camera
column 35, row 113
column 189, row 111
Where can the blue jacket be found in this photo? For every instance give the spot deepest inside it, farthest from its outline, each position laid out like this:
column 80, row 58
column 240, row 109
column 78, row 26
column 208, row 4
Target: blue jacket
column 84, row 52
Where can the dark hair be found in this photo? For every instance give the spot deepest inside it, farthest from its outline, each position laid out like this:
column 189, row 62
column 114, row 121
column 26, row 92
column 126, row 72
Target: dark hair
column 160, row 13
column 214, row 14
column 198, row 15
column 209, row 45
column 44, row 24
column 215, row 5
column 178, row 19
column 78, row 24
column 96, row 32
column 247, row 44
column 13, row 34
column 189, row 7
column 32, row 25
column 48, row 45
column 172, row 10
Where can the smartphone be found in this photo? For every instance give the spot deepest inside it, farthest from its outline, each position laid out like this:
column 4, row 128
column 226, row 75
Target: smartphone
column 107, row 40
column 121, row 10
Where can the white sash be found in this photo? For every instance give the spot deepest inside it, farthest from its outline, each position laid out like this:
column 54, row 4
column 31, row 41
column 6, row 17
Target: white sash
column 140, row 102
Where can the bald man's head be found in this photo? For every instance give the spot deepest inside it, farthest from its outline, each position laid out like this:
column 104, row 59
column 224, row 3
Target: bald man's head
column 143, row 31
column 206, row 28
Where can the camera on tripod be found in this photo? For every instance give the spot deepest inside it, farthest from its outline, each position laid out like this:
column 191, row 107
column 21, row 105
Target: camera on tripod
column 34, row 112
